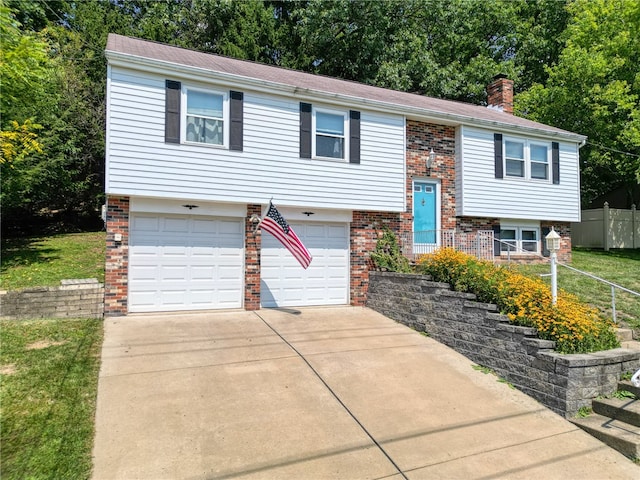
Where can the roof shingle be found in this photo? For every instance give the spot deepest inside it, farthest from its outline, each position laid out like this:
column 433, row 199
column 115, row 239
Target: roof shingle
column 464, row 112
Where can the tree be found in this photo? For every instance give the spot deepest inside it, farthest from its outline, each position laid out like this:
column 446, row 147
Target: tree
column 24, row 62
column 443, row 48
column 594, row 89
column 50, row 126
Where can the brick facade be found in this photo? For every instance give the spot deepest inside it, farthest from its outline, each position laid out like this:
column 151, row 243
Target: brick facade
column 365, row 228
column 252, row 242
column 117, row 258
column 421, row 138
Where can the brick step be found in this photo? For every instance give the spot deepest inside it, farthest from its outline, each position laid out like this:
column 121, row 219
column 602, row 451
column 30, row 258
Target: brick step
column 624, row 409
column 618, row 435
column 629, row 387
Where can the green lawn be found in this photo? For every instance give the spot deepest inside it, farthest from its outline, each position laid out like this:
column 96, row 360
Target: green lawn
column 49, row 372
column 49, row 368
column 44, row 261
column 618, row 266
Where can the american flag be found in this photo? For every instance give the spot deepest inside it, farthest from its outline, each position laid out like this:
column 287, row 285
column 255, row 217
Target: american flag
column 276, row 225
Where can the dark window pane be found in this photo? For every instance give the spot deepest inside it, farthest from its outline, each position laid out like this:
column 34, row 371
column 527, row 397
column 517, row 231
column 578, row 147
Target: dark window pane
column 329, row 147
column 515, row 168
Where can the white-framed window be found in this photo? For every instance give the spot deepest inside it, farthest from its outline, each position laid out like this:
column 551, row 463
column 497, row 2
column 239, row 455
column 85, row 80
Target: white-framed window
column 330, row 136
column 527, row 159
column 205, row 117
column 539, row 157
column 519, row 239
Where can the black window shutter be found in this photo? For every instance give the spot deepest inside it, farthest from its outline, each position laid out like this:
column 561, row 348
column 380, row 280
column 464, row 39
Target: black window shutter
column 236, row 117
column 497, row 147
column 496, row 238
column 545, row 232
column 305, row 130
column 172, row 112
column 354, row 136
column 555, row 162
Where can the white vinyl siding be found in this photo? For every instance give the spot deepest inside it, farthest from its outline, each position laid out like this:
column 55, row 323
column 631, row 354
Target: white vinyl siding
column 484, row 195
column 139, row 162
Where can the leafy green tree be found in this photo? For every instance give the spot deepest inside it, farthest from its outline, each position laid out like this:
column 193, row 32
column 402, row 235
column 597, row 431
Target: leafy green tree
column 52, row 120
column 539, row 26
column 443, row 48
column 24, row 63
column 25, row 69
column 594, row 89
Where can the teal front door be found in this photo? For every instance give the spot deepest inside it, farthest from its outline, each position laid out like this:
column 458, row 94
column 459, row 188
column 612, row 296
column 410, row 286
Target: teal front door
column 424, row 213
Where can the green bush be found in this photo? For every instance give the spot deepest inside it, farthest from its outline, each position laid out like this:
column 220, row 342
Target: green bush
column 387, row 256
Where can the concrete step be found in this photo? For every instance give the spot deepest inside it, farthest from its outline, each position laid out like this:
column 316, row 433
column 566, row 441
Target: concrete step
column 630, row 344
column 629, row 387
column 624, row 334
column 624, row 409
column 619, row 435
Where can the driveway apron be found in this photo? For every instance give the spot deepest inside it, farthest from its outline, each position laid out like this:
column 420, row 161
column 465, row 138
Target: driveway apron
column 315, row 393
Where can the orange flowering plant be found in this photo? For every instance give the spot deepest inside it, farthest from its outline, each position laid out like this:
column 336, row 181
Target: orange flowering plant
column 574, row 326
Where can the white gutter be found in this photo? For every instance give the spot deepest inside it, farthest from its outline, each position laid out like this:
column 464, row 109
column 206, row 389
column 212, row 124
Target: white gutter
column 232, row 80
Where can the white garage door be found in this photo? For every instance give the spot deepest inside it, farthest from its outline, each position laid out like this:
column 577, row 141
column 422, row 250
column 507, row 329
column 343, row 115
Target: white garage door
column 181, row 262
column 284, row 283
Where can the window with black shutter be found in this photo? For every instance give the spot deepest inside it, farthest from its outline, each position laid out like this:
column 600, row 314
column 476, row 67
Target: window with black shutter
column 173, row 91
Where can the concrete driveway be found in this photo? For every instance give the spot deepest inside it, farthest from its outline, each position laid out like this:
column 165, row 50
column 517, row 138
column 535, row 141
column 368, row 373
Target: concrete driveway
column 318, row 393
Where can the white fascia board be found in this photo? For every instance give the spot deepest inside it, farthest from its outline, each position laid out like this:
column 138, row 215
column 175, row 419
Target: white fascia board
column 232, row 80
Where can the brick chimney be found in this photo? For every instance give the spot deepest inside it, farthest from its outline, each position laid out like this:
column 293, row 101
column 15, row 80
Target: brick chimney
column 500, row 94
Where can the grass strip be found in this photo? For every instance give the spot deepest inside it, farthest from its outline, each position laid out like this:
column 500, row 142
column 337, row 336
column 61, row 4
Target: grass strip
column 44, row 261
column 49, row 372
column 617, row 266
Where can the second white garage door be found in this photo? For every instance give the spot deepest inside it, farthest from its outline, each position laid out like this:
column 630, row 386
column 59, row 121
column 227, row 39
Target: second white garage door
column 184, row 262
column 284, row 283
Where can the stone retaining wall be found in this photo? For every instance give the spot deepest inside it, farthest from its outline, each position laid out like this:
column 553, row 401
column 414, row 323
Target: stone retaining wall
column 563, row 383
column 72, row 299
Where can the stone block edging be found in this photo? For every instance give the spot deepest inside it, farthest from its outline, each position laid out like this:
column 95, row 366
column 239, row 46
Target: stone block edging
column 76, row 298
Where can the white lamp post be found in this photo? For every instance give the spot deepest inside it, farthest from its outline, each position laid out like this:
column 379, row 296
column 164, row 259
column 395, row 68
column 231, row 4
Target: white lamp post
column 553, row 245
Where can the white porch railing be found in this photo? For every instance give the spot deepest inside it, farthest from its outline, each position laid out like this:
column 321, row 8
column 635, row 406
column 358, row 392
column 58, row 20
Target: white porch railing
column 478, row 243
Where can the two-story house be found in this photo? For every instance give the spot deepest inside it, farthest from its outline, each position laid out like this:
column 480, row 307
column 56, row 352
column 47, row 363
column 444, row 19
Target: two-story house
column 197, row 145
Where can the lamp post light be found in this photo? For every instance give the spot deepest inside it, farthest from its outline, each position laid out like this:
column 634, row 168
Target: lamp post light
column 553, row 245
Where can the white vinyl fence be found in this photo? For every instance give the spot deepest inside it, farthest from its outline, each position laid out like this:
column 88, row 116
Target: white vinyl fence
column 607, row 228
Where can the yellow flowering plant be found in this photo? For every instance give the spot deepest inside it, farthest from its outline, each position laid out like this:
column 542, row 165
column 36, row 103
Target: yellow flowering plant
column 574, row 326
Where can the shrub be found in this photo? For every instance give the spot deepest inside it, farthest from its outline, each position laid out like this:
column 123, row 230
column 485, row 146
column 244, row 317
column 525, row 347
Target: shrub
column 574, row 326
column 387, row 255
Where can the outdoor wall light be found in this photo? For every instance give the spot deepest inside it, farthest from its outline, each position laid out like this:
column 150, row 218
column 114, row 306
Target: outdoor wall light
column 431, row 158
